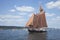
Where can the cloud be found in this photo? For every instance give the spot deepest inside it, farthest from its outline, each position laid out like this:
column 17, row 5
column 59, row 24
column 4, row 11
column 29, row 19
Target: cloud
column 30, row 15
column 22, row 9
column 25, row 8
column 56, row 19
column 54, row 22
column 12, row 10
column 10, row 16
column 23, row 14
column 50, row 14
column 53, row 4
column 21, row 17
column 12, row 20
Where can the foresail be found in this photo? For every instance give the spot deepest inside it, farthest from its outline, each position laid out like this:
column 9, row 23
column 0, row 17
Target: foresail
column 30, row 22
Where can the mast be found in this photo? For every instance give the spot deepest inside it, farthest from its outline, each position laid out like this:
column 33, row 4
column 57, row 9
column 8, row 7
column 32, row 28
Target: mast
column 40, row 17
column 41, row 9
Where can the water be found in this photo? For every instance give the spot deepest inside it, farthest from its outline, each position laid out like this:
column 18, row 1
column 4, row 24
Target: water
column 23, row 34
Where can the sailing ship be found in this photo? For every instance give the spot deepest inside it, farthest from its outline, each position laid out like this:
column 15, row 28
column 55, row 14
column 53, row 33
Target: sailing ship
column 37, row 22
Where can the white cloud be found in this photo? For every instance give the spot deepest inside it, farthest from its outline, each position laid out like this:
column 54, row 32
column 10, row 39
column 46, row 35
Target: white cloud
column 53, row 4
column 56, row 19
column 50, row 14
column 12, row 10
column 22, row 9
column 10, row 16
column 54, row 22
column 23, row 14
column 25, row 8
column 11, row 20
column 20, row 17
column 30, row 15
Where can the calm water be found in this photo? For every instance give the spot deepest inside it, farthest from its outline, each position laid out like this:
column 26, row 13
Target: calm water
column 23, row 34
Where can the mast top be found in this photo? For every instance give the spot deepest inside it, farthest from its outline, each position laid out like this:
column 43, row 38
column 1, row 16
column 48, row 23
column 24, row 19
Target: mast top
column 41, row 8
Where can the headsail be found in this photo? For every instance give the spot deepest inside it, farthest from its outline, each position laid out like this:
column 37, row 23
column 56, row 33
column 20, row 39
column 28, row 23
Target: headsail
column 30, row 22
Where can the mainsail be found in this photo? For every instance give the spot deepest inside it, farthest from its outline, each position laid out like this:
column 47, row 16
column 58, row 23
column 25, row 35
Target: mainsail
column 37, row 20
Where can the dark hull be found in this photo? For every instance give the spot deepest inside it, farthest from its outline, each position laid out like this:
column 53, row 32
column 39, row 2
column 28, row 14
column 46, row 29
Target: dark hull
column 36, row 31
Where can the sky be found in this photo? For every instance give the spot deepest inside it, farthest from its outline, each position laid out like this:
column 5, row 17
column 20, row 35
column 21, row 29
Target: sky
column 18, row 12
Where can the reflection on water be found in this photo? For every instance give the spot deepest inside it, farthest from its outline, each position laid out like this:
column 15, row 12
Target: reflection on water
column 23, row 34
column 37, row 36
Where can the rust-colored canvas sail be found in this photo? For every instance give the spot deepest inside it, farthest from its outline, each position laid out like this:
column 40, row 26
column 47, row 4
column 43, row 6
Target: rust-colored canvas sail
column 30, row 22
column 37, row 20
column 42, row 18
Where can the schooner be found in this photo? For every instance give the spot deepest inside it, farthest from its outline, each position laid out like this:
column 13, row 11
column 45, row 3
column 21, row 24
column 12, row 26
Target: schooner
column 37, row 22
